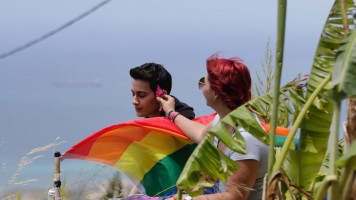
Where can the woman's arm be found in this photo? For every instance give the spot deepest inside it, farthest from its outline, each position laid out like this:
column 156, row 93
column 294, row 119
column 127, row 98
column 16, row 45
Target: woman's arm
column 193, row 130
column 237, row 183
column 244, row 177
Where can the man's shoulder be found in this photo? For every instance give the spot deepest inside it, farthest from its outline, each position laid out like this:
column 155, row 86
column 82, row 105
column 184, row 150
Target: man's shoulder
column 183, row 108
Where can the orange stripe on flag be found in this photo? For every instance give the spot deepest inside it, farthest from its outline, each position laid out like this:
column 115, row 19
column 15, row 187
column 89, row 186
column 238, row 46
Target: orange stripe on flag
column 279, row 130
column 111, row 145
column 168, row 132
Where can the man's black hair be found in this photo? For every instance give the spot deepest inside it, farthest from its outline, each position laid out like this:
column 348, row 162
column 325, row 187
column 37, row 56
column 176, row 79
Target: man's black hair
column 155, row 74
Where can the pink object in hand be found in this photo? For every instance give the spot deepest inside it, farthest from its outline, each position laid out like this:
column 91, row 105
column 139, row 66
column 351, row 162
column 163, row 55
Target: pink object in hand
column 159, row 92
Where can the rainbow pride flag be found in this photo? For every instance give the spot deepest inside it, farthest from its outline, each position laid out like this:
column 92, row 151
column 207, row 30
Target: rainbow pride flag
column 151, row 152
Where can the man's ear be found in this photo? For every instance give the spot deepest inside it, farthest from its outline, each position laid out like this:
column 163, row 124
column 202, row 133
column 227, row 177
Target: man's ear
column 164, row 95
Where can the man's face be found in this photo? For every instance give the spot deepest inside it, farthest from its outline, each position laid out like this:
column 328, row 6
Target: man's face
column 144, row 99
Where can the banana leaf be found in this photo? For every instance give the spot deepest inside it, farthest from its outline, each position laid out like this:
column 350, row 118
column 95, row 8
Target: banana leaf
column 315, row 129
column 324, row 169
column 350, row 154
column 348, row 163
column 206, row 163
column 344, row 72
column 291, row 163
column 292, row 91
column 204, row 167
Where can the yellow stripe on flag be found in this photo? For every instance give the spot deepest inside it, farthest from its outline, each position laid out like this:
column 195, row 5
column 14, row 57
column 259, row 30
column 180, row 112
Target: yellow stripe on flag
column 141, row 156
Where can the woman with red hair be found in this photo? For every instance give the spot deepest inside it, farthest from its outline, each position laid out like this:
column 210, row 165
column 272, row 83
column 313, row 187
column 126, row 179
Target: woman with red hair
column 226, row 86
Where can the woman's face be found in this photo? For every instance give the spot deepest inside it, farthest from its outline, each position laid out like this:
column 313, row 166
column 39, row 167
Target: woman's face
column 144, row 99
column 208, row 93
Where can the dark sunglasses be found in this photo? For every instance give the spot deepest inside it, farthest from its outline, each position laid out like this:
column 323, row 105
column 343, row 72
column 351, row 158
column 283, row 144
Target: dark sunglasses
column 201, row 83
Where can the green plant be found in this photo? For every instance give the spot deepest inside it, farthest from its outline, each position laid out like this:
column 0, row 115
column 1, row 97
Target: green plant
column 89, row 184
column 294, row 173
column 264, row 82
column 18, row 195
column 316, row 117
column 114, row 189
column 290, row 106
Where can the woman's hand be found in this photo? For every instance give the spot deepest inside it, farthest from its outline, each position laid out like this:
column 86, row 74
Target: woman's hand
column 167, row 103
column 193, row 130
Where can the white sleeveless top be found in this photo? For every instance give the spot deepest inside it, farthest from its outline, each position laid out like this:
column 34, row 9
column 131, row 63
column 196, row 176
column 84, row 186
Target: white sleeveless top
column 256, row 150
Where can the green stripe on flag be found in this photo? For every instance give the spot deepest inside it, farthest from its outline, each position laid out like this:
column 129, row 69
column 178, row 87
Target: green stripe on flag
column 164, row 174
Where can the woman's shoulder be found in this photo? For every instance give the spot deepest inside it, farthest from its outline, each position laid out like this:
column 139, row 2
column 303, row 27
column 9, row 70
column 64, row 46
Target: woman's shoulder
column 250, row 139
column 215, row 120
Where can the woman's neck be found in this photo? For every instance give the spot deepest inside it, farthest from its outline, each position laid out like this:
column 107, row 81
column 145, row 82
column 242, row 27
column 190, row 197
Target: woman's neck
column 223, row 111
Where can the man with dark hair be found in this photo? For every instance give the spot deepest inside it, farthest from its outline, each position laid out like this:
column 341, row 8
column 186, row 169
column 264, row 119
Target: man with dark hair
column 147, row 79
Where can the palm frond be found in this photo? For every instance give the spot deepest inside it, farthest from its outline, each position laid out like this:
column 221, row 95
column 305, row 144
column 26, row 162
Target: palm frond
column 204, row 167
column 291, row 100
column 315, row 129
column 344, row 72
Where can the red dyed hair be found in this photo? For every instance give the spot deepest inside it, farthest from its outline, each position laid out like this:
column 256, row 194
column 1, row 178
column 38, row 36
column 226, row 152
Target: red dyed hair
column 230, row 78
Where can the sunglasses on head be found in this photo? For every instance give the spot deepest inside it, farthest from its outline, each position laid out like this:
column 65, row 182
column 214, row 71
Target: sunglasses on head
column 201, row 83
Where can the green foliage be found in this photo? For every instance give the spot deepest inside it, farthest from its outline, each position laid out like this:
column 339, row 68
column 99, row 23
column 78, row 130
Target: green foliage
column 64, row 190
column 115, row 188
column 315, row 129
column 303, row 165
column 204, row 169
column 344, row 72
column 264, row 83
column 313, row 116
column 318, row 120
column 348, row 156
column 291, row 100
column 324, row 169
column 18, row 195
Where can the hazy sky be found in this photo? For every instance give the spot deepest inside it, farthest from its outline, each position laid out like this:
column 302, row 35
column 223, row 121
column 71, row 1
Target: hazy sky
column 76, row 82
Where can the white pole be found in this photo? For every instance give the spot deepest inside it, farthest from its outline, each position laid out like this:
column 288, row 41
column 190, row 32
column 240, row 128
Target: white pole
column 57, row 175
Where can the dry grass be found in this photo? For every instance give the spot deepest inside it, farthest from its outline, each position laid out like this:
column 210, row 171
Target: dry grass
column 264, row 83
column 26, row 160
column 29, row 158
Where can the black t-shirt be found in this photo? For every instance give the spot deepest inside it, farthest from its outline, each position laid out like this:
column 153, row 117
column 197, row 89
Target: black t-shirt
column 183, row 109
